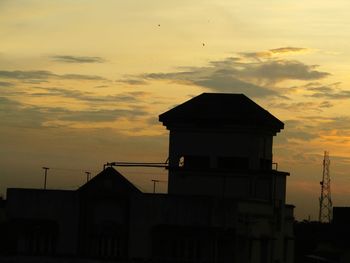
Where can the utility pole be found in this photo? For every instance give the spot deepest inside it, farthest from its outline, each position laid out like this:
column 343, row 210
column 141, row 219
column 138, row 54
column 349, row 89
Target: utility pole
column 45, row 168
column 325, row 213
column 154, row 185
column 87, row 176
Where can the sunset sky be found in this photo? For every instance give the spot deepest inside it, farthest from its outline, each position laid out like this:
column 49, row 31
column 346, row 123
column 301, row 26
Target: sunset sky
column 83, row 82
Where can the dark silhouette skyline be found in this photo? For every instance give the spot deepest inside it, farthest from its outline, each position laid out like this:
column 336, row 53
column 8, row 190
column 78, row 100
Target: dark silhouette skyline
column 225, row 202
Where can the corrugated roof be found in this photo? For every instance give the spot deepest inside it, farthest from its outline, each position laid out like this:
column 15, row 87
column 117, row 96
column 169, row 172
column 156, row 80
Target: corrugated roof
column 221, row 108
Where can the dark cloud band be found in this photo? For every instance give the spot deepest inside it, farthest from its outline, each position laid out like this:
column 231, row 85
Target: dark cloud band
column 43, row 75
column 77, row 59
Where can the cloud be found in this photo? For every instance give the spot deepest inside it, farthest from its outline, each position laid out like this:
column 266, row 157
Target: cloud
column 327, row 91
column 277, row 71
column 215, row 79
column 80, row 77
column 296, row 129
column 16, row 114
column 303, row 106
column 326, row 104
column 6, row 103
column 126, row 97
column 288, row 50
column 296, row 106
column 227, row 83
column 133, row 81
column 99, row 115
column 77, row 59
column 6, row 84
column 333, row 95
column 38, row 76
column 336, row 123
column 25, row 75
column 273, row 52
column 311, row 128
column 235, row 74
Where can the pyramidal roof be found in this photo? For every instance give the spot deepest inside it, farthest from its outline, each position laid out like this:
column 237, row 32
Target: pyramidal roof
column 110, row 180
column 215, row 109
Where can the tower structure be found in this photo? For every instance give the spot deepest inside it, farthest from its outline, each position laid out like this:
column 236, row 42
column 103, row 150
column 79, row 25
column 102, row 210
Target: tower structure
column 221, row 145
column 325, row 213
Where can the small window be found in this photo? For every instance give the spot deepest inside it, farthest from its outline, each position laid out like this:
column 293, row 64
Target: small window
column 194, row 162
column 233, row 163
column 182, row 161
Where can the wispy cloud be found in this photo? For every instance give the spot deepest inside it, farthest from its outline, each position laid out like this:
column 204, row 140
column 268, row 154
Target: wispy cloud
column 330, row 91
column 214, row 79
column 6, row 84
column 237, row 74
column 133, row 81
column 80, row 77
column 333, row 95
column 336, row 123
column 277, row 71
column 38, row 76
column 297, row 130
column 99, row 115
column 311, row 128
column 299, row 106
column 77, row 59
column 125, row 97
column 25, row 75
column 16, row 114
column 282, row 50
column 274, row 52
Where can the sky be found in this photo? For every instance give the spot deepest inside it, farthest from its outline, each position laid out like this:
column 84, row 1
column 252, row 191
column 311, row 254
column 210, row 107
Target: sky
column 82, row 83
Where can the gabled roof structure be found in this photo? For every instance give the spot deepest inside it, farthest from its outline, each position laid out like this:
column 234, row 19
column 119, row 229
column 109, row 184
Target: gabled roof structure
column 110, row 180
column 220, row 109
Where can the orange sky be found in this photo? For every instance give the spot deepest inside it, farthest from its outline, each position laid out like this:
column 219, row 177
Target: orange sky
column 82, row 83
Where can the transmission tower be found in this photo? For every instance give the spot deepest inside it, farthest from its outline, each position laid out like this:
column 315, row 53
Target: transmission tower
column 325, row 214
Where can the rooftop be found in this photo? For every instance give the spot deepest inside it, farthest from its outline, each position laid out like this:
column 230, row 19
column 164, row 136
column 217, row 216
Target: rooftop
column 220, row 109
column 109, row 180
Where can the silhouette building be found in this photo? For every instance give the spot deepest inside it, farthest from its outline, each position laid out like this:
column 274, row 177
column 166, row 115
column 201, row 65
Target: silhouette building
column 225, row 200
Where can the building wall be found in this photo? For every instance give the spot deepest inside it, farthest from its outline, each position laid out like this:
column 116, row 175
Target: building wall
column 239, row 184
column 253, row 144
column 246, row 228
column 55, row 208
column 150, row 211
column 214, row 157
column 103, row 226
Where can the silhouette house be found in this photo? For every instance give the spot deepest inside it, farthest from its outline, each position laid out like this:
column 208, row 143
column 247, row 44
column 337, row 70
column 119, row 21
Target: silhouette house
column 225, row 202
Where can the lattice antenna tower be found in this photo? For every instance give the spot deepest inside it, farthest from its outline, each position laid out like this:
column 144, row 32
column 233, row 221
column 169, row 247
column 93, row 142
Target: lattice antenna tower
column 325, row 213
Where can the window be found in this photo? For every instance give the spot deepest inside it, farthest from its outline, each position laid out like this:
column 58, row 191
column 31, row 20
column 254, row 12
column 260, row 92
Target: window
column 194, row 162
column 233, row 163
column 182, row 161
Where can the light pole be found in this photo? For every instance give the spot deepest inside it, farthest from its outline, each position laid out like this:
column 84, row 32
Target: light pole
column 45, row 168
column 87, row 176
